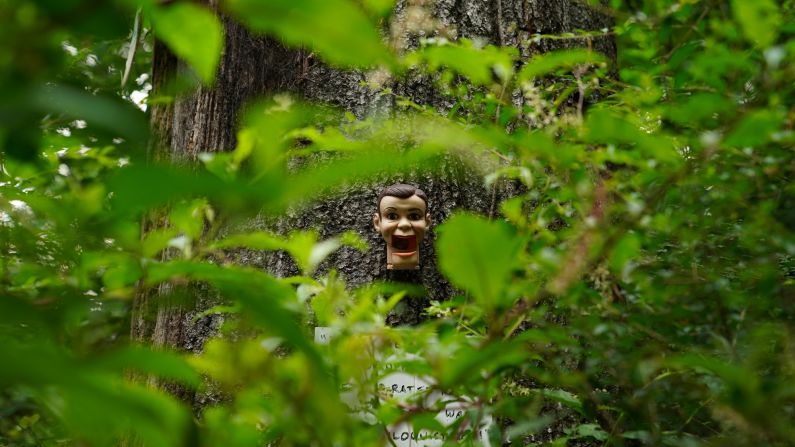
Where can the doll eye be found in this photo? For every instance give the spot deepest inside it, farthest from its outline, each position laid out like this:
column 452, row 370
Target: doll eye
column 391, row 216
column 415, row 216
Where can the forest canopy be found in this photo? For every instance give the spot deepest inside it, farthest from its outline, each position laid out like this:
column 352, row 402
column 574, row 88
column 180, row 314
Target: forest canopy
column 637, row 289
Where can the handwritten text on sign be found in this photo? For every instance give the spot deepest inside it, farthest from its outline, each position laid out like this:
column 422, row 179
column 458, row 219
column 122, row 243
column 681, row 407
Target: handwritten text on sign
column 402, row 387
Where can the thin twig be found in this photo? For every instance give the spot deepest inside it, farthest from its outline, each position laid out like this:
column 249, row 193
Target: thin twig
column 133, row 47
column 493, row 199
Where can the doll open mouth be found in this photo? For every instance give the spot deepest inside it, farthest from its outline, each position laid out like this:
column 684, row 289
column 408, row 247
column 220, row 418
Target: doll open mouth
column 404, row 245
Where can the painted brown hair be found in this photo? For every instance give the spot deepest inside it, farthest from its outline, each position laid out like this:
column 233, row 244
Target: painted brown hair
column 401, row 191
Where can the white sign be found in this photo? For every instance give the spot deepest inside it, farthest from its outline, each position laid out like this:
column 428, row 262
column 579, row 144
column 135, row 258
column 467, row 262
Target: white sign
column 402, row 386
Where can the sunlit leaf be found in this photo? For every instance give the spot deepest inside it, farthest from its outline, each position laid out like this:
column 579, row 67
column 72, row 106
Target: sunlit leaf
column 303, row 246
column 605, row 127
column 192, row 33
column 481, row 65
column 478, row 255
column 543, row 64
column 566, row 398
column 337, row 29
column 759, row 19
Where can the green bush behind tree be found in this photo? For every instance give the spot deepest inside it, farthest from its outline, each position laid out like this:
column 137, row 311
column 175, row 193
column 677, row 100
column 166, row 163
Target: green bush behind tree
column 644, row 282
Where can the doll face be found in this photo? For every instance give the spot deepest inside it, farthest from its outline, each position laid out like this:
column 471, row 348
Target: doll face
column 402, row 223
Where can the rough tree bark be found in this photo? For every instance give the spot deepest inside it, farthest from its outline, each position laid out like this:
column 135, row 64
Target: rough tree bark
column 253, row 66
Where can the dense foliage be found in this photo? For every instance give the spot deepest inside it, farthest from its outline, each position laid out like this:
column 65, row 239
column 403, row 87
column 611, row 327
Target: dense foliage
column 640, row 292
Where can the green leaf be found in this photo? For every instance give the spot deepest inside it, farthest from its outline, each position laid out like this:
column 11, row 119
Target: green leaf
column 264, row 298
column 125, row 272
column 352, row 239
column 316, row 181
column 120, row 408
column 337, row 29
column 537, row 144
column 112, row 114
column 426, row 421
column 161, row 363
column 303, row 246
column 192, row 33
column 511, row 172
column 564, row 397
column 220, row 164
column 257, row 240
column 625, row 250
column 743, row 383
column 760, row 20
column 524, row 428
column 87, row 397
column 550, row 62
column 693, row 109
column 471, row 364
column 481, row 65
column 380, row 8
column 639, row 435
column 188, row 217
column 755, row 129
column 266, row 135
column 137, row 188
column 478, row 255
column 603, row 126
column 156, row 240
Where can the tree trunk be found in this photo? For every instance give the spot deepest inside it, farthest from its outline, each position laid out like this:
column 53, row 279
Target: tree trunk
column 254, row 66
